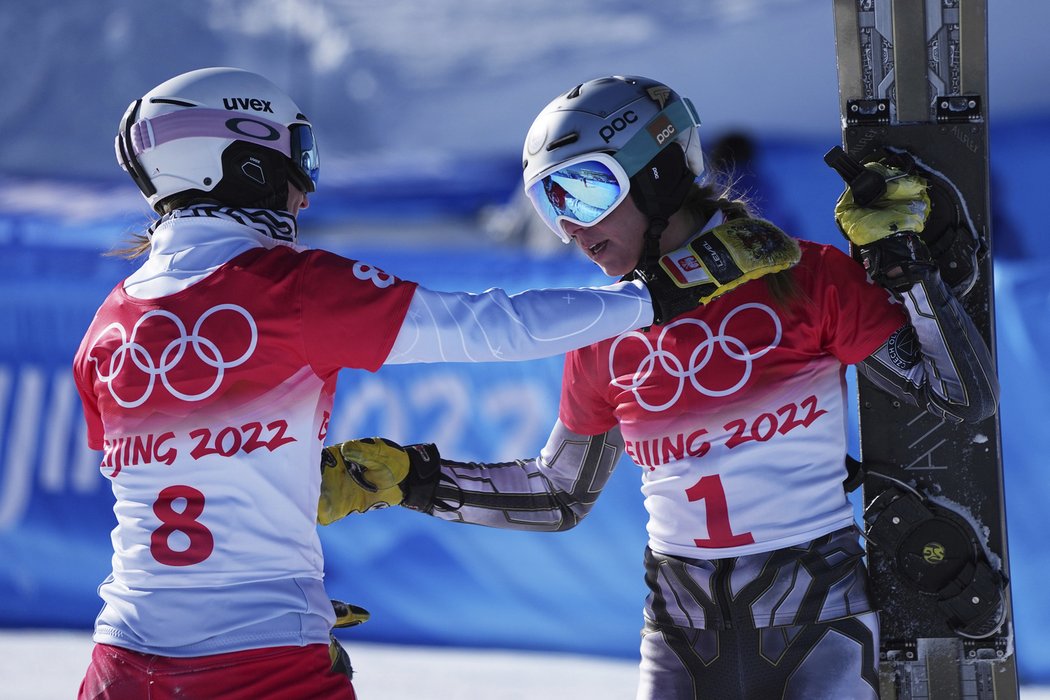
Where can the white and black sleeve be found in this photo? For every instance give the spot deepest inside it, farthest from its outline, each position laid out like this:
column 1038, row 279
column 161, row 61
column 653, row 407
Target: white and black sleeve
column 551, row 492
column 938, row 360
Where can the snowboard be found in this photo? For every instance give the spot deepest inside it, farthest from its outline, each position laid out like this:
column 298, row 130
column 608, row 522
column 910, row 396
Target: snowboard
column 913, row 76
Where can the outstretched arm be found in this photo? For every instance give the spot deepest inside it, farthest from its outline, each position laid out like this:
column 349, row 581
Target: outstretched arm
column 551, row 492
column 494, row 326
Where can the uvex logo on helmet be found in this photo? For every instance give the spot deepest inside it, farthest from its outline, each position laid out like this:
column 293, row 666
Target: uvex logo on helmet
column 246, row 103
column 618, row 123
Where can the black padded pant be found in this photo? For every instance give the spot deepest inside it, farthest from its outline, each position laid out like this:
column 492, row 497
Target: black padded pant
column 834, row 660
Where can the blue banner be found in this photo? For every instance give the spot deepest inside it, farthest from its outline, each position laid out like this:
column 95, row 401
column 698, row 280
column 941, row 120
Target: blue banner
column 425, row 581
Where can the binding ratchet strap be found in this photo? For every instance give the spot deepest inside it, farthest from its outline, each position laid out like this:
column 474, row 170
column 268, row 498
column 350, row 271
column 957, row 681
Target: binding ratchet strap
column 937, row 551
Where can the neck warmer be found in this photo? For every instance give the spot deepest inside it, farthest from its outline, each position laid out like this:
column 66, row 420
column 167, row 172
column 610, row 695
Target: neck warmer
column 279, row 225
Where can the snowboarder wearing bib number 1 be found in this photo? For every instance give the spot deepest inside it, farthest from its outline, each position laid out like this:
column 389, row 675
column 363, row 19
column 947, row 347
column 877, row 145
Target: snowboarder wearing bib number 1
column 734, row 412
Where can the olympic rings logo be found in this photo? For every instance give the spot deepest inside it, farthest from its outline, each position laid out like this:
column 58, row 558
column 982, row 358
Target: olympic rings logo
column 699, row 358
column 139, row 356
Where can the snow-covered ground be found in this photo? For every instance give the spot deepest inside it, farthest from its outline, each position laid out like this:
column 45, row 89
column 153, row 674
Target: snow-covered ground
column 37, row 665
column 49, row 665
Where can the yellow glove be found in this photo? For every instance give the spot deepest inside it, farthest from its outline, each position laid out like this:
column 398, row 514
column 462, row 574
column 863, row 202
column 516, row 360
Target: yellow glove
column 346, row 615
column 727, row 256
column 903, row 208
column 360, row 475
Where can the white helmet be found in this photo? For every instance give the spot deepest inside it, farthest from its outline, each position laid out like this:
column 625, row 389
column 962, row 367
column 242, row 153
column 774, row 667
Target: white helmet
column 221, row 134
column 591, row 146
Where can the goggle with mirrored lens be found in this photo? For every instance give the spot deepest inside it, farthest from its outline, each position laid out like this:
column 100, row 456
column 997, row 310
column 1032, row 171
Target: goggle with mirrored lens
column 582, row 191
column 296, row 141
column 304, row 155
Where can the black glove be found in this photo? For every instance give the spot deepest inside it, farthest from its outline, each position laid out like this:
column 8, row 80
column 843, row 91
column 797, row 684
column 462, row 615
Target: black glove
column 423, row 477
column 898, row 262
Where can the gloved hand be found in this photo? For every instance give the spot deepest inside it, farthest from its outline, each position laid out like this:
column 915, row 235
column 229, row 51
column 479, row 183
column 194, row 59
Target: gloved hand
column 715, row 262
column 346, row 615
column 361, row 475
column 903, row 208
column 887, row 231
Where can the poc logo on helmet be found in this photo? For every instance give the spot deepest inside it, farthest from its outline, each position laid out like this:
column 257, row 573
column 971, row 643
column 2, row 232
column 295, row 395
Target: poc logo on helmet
column 246, row 103
column 619, row 123
column 662, row 129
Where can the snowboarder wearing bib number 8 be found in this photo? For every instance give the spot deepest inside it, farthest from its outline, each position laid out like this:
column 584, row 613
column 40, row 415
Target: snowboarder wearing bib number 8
column 207, row 378
column 734, row 412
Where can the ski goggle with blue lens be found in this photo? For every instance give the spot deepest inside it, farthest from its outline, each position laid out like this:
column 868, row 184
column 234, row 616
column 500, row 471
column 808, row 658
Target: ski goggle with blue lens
column 304, row 155
column 579, row 191
column 583, row 190
column 296, row 141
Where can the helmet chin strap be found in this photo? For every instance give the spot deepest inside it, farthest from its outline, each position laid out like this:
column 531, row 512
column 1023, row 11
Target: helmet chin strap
column 651, row 244
column 659, row 205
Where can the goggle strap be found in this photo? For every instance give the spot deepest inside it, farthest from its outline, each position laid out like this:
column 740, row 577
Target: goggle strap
column 127, row 154
column 202, row 122
column 645, row 144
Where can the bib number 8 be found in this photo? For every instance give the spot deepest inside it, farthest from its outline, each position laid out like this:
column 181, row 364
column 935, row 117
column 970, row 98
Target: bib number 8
column 375, row 275
column 201, row 541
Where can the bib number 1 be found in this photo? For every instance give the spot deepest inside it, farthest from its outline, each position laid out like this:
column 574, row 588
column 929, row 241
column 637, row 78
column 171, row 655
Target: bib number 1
column 184, row 520
column 719, row 532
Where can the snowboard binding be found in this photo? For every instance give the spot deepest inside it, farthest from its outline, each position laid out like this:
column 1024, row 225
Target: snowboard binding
column 938, row 552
